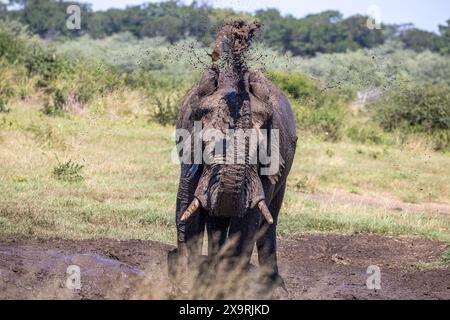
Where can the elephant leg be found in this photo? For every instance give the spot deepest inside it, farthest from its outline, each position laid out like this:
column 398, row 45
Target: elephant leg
column 267, row 243
column 189, row 233
column 243, row 232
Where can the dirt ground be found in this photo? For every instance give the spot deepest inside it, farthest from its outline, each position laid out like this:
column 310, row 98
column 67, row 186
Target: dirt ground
column 313, row 266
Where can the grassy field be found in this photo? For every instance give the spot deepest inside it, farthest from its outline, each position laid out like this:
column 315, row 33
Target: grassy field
column 127, row 184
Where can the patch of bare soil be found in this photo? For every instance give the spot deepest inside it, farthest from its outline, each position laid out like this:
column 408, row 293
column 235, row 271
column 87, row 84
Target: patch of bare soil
column 385, row 201
column 313, row 266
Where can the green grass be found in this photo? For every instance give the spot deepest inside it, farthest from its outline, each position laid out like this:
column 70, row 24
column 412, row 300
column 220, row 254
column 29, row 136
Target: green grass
column 301, row 217
column 444, row 262
column 129, row 183
column 420, row 175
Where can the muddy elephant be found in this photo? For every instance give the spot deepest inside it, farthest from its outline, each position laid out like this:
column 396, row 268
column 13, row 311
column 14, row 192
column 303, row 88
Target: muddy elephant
column 228, row 198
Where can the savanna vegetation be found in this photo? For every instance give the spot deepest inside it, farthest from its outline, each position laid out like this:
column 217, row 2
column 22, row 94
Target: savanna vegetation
column 86, row 121
column 326, row 32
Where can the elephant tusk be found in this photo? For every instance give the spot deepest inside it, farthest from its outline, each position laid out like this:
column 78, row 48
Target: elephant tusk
column 191, row 210
column 265, row 211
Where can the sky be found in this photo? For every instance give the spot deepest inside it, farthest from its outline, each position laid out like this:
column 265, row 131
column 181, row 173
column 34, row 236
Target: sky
column 425, row 14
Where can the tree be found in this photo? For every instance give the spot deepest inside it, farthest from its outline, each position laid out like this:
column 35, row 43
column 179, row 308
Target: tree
column 419, row 40
column 3, row 10
column 48, row 17
column 444, row 39
column 325, row 32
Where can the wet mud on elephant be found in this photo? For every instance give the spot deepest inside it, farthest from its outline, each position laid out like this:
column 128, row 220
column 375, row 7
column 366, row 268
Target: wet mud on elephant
column 236, row 200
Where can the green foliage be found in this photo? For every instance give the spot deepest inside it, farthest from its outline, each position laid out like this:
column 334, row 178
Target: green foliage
column 326, row 122
column 316, row 111
column 3, row 105
column 426, row 108
column 6, row 92
column 411, row 89
column 62, row 78
column 297, row 85
column 48, row 17
column 440, row 139
column 368, row 133
column 417, row 109
column 12, row 44
column 419, row 40
column 317, row 33
column 446, row 257
column 165, row 110
column 68, row 171
column 444, row 40
column 325, row 32
column 54, row 105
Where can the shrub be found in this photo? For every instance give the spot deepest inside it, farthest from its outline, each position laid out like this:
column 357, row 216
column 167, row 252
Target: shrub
column 68, row 171
column 417, row 110
column 422, row 110
column 60, row 76
column 3, row 105
column 425, row 108
column 295, row 84
column 326, row 122
column 54, row 105
column 321, row 113
column 165, row 109
column 13, row 37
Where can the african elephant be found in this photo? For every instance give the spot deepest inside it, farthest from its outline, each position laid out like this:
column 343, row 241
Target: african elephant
column 234, row 199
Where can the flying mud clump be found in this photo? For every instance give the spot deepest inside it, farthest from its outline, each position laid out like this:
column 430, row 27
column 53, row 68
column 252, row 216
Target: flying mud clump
column 233, row 41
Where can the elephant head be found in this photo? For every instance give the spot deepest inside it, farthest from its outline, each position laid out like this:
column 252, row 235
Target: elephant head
column 232, row 104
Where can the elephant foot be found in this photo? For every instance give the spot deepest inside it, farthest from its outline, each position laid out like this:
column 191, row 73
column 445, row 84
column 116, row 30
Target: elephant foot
column 172, row 263
column 186, row 270
column 279, row 283
column 270, row 286
column 178, row 270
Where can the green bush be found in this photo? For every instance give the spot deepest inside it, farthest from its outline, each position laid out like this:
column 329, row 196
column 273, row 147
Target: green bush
column 165, row 108
column 326, row 122
column 3, row 105
column 58, row 75
column 54, row 105
column 297, row 85
column 13, row 37
column 424, row 108
column 319, row 112
column 417, row 110
column 68, row 171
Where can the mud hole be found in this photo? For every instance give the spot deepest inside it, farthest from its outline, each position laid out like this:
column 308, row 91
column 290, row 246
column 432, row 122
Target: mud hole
column 313, row 266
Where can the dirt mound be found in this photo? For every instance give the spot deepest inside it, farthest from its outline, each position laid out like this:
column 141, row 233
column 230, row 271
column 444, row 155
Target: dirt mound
column 314, row 267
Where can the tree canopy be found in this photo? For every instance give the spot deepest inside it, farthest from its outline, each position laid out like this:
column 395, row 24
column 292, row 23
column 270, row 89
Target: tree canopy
column 325, row 32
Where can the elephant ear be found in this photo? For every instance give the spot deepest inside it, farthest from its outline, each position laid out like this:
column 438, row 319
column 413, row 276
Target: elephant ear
column 276, row 158
column 206, row 86
column 208, row 83
column 259, row 86
column 273, row 99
